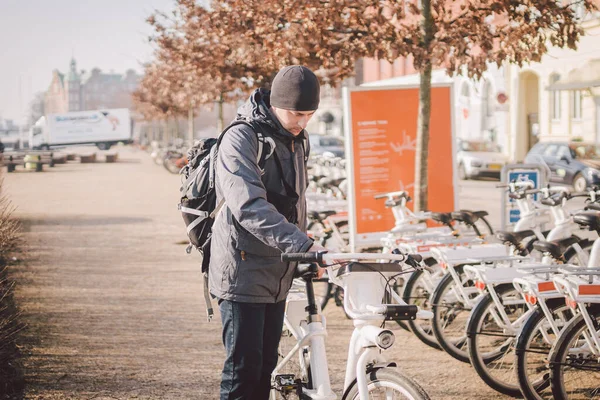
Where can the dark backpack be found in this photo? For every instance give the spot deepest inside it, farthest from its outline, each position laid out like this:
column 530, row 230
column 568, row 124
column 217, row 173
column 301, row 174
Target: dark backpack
column 198, row 195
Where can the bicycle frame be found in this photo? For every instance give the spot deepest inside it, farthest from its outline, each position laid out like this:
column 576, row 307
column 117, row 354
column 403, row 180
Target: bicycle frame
column 363, row 302
column 576, row 291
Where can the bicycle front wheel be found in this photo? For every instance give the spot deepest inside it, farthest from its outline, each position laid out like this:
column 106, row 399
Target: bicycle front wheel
column 450, row 314
column 574, row 368
column 390, row 384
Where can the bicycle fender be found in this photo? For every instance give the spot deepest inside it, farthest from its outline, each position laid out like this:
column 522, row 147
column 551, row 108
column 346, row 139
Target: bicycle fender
column 370, row 368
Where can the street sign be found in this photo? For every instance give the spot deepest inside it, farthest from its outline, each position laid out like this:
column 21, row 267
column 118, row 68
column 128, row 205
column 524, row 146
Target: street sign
column 535, row 173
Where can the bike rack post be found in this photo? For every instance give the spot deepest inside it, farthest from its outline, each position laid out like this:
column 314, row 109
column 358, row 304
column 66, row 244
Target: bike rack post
column 539, row 174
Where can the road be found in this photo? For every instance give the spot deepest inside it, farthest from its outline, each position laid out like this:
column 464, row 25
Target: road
column 114, row 306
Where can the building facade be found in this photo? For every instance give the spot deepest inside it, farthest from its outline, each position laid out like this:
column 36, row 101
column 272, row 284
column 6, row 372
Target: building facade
column 80, row 91
column 557, row 98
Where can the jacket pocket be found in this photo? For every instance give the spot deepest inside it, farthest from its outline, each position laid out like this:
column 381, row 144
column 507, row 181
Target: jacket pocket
column 249, row 244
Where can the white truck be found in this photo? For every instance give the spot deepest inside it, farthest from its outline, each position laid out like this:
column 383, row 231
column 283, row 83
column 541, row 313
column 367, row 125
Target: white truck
column 103, row 128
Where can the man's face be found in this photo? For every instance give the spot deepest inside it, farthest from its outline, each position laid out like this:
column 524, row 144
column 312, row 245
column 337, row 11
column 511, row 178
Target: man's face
column 293, row 121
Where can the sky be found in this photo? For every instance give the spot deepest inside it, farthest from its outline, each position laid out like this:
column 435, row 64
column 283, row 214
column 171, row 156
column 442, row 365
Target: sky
column 38, row 36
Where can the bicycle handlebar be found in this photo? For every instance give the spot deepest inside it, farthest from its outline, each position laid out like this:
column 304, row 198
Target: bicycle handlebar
column 312, row 256
column 321, row 256
column 390, row 194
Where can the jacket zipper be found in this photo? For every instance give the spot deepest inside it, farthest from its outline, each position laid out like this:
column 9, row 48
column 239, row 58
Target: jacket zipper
column 293, row 141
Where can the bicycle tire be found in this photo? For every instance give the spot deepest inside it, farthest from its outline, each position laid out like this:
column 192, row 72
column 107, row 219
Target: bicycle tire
column 491, row 348
column 570, row 255
column 324, row 290
column 488, row 225
column 564, row 347
column 533, row 350
column 389, row 378
column 415, row 292
column 455, row 346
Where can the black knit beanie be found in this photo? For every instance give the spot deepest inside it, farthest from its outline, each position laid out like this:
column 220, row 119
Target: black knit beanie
column 295, row 88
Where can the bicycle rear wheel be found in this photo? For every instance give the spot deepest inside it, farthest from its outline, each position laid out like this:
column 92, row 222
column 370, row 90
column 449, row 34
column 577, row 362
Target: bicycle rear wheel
column 450, row 315
column 533, row 348
column 491, row 343
column 418, row 291
column 390, row 384
column 324, row 290
column 574, row 369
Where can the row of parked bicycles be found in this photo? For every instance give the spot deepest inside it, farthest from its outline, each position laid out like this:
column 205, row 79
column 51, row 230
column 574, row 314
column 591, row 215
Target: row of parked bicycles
column 522, row 306
column 171, row 156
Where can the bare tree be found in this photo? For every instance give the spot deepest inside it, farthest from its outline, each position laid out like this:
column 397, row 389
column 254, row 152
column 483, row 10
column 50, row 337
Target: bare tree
column 466, row 36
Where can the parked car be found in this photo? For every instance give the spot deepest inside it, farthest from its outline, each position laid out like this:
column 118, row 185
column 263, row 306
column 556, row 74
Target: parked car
column 476, row 158
column 323, row 144
column 571, row 163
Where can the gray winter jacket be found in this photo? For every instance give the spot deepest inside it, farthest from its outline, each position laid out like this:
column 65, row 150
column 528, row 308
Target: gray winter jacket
column 249, row 234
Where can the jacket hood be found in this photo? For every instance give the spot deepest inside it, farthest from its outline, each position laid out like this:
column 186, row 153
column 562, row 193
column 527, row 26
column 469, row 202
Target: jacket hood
column 257, row 108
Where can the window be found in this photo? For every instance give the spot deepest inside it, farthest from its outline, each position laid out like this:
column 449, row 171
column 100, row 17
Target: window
column 555, row 98
column 550, row 151
column 576, row 99
column 564, row 151
column 464, row 91
column 487, row 100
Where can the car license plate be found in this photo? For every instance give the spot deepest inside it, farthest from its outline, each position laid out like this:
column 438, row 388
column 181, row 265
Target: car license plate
column 495, row 166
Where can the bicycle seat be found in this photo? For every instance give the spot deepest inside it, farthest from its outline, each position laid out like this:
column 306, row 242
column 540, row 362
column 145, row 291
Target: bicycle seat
column 588, row 219
column 514, row 238
column 336, row 182
column 593, row 207
column 442, row 218
column 556, row 248
column 480, row 214
column 368, row 267
column 465, row 216
column 554, row 200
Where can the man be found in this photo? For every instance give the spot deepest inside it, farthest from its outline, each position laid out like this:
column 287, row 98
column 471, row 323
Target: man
column 264, row 215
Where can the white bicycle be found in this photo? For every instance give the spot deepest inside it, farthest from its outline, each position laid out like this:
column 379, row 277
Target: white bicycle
column 302, row 372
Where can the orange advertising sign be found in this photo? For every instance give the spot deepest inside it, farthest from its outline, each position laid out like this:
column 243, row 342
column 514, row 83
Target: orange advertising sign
column 382, row 142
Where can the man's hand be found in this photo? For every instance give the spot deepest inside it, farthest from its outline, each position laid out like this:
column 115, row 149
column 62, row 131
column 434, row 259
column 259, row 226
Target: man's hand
column 315, row 248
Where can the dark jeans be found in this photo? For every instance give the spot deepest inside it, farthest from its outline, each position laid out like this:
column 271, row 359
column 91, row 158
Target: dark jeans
column 251, row 333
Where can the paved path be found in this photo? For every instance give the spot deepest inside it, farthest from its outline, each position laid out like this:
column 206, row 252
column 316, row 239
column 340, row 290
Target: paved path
column 114, row 305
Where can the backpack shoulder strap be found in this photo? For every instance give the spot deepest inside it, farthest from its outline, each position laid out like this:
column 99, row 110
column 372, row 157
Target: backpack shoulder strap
column 263, row 140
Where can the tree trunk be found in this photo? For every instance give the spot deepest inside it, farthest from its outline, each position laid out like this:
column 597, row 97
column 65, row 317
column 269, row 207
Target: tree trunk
column 220, row 118
column 167, row 132
column 422, row 151
column 191, row 126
